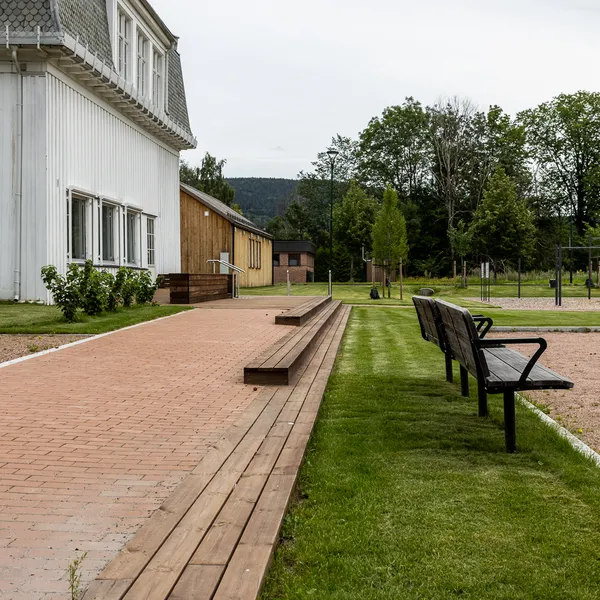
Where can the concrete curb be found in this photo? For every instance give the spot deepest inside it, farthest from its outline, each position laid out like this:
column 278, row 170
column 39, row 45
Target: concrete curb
column 549, row 329
column 21, row 359
column 575, row 442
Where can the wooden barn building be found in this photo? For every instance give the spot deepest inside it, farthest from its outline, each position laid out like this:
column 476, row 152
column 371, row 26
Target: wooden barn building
column 211, row 230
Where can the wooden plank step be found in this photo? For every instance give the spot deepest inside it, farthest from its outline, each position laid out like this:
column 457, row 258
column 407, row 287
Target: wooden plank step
column 278, row 365
column 301, row 314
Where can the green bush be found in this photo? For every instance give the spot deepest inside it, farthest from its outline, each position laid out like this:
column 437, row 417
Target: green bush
column 94, row 290
column 65, row 290
column 146, row 287
column 129, row 285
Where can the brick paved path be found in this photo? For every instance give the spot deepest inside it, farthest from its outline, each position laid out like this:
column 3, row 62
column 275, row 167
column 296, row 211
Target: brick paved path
column 94, row 438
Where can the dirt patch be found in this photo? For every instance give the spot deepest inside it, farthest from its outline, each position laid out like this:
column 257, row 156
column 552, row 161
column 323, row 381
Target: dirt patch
column 577, row 356
column 568, row 304
column 15, row 346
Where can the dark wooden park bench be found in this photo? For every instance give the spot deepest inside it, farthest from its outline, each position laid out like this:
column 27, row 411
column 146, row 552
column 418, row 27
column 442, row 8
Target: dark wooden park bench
column 498, row 369
column 432, row 330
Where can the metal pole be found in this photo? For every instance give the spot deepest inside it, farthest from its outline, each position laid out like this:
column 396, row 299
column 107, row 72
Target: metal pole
column 556, row 278
column 590, row 271
column 571, row 251
column 331, row 229
column 289, row 290
column 560, row 274
column 519, row 288
column 401, row 279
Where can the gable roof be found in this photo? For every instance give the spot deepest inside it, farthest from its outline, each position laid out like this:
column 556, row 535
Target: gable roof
column 225, row 211
column 81, row 29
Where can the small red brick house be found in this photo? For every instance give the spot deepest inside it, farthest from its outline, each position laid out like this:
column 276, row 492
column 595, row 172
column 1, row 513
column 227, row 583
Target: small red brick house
column 297, row 257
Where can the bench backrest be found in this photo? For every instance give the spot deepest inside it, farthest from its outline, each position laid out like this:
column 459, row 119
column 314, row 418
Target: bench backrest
column 462, row 338
column 430, row 321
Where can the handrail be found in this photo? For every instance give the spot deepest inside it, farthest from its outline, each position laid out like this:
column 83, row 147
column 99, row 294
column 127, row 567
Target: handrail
column 226, row 264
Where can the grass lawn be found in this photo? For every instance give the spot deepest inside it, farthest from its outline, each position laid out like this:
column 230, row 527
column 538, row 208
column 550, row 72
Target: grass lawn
column 37, row 318
column 407, row 494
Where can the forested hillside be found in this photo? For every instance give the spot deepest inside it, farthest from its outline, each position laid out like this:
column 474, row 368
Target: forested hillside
column 262, row 198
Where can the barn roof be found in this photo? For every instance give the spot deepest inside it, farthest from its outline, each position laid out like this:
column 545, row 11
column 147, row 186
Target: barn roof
column 82, row 25
column 225, row 211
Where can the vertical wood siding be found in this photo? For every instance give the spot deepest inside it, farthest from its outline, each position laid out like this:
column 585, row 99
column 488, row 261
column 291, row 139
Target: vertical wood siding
column 202, row 237
column 253, row 277
column 8, row 133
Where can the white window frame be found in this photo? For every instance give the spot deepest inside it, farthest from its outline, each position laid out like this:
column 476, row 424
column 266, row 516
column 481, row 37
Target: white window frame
column 142, row 63
column 137, row 224
column 124, row 43
column 87, row 234
column 151, row 241
column 158, row 77
column 115, row 236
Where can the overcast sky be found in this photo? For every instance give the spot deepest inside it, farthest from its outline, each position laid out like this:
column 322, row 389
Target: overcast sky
column 269, row 82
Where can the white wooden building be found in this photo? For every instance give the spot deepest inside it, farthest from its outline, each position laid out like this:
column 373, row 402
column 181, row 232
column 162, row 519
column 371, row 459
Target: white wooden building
column 93, row 117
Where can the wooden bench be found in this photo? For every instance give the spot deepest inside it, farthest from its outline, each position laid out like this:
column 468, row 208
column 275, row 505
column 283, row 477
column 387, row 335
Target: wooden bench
column 498, row 369
column 301, row 314
column 278, row 364
column 432, row 330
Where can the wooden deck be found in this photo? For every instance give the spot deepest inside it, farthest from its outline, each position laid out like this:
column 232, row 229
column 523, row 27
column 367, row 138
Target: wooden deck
column 304, row 312
column 279, row 363
column 214, row 537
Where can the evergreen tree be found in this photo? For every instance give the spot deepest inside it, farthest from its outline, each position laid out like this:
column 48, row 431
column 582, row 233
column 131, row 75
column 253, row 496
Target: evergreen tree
column 209, row 179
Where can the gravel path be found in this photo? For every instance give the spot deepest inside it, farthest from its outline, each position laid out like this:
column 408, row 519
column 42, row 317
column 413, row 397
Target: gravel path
column 575, row 355
column 544, row 303
column 15, row 346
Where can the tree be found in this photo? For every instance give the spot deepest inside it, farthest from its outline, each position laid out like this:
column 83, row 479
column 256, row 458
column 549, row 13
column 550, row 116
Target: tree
column 395, row 149
column 389, row 234
column 353, row 221
column 502, row 227
column 209, row 179
column 564, row 140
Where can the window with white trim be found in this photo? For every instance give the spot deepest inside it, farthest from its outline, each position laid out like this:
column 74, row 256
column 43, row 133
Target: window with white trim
column 158, row 63
column 131, row 235
column 124, row 45
column 108, row 232
column 150, row 239
column 78, row 232
column 142, row 64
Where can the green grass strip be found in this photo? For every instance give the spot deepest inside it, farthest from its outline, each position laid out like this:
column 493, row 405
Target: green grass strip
column 407, row 494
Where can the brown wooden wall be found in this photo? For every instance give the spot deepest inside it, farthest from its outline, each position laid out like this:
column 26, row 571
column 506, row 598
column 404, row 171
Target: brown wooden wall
column 191, row 289
column 202, row 237
column 260, row 273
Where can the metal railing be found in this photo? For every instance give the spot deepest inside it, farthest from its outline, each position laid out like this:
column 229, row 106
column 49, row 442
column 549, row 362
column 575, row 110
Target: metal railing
column 236, row 272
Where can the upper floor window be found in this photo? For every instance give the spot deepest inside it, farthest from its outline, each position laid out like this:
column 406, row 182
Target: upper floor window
column 142, row 64
column 124, row 45
column 157, row 78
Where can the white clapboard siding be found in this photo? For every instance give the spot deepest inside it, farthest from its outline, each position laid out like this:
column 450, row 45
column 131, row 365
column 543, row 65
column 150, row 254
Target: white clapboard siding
column 8, row 133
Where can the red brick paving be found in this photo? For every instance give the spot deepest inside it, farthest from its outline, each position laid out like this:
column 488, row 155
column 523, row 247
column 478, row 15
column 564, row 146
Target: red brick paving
column 93, row 438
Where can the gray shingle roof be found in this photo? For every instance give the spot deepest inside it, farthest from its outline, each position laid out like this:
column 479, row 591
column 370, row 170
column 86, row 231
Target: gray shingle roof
column 225, row 211
column 88, row 21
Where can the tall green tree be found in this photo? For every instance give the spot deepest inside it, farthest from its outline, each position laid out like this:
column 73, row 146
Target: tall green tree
column 389, row 234
column 353, row 220
column 564, row 141
column 395, row 149
column 502, row 229
column 208, row 178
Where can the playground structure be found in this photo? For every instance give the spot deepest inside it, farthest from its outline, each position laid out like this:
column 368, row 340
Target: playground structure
column 558, row 284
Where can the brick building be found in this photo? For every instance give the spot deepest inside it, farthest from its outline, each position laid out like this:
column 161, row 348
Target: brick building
column 297, row 257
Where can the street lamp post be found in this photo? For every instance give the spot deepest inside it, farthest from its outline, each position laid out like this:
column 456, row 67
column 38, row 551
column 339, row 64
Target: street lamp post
column 333, row 154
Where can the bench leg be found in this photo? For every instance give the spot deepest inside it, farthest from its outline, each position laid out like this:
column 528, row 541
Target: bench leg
column 449, row 376
column 483, row 400
column 464, row 382
column 510, row 431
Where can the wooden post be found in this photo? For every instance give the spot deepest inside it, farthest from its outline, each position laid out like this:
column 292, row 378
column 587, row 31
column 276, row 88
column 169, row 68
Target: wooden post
column 454, row 269
column 401, row 282
column 289, row 290
column 464, row 274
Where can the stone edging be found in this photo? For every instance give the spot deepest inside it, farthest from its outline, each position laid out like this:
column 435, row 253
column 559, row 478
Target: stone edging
column 14, row 361
column 575, row 442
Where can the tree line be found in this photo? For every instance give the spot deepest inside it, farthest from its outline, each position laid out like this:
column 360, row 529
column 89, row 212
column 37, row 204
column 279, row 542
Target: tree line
column 468, row 184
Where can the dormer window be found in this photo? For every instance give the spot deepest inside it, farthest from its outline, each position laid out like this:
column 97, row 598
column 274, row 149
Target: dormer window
column 124, row 45
column 142, row 64
column 158, row 67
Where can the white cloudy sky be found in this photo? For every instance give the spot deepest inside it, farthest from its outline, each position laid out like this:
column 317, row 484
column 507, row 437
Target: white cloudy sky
column 269, row 82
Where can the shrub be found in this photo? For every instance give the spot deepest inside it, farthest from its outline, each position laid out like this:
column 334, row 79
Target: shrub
column 65, row 290
column 115, row 285
column 94, row 290
column 129, row 285
column 146, row 287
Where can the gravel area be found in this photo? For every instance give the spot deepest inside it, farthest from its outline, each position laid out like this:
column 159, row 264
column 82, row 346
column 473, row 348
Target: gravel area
column 544, row 303
column 15, row 346
column 577, row 356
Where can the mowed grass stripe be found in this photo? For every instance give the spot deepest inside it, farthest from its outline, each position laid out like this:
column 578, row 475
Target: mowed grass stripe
column 406, row 493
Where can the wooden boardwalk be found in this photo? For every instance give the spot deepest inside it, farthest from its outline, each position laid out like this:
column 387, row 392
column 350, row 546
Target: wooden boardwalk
column 214, row 537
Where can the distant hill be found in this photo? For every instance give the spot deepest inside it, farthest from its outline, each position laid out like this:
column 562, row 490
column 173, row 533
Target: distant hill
column 261, row 198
